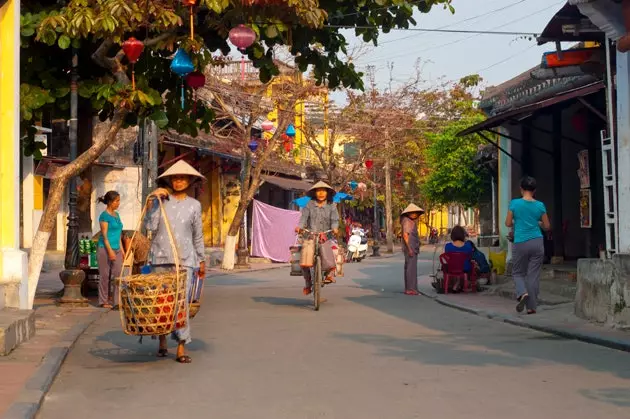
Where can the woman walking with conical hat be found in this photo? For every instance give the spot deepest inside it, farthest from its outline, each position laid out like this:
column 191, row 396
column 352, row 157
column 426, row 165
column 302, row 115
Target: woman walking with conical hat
column 411, row 246
column 184, row 216
column 319, row 215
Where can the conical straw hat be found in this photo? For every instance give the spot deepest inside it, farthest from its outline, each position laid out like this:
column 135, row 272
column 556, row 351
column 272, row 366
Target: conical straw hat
column 321, row 185
column 412, row 208
column 182, row 168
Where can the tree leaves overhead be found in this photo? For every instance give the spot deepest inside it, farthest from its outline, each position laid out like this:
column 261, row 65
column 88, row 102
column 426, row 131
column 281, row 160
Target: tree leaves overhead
column 311, row 29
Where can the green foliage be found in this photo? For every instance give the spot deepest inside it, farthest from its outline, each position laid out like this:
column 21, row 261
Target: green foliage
column 311, row 28
column 454, row 177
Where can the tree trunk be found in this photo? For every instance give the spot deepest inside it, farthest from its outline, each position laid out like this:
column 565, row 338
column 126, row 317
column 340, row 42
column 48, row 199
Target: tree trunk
column 58, row 185
column 388, row 208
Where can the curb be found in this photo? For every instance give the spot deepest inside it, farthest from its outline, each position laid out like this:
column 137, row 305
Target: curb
column 594, row 339
column 30, row 399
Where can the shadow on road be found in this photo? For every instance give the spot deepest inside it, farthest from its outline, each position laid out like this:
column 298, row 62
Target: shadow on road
column 306, row 303
column 118, row 347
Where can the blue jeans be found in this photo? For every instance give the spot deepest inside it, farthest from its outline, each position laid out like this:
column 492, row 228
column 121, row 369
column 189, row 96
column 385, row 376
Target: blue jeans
column 183, row 334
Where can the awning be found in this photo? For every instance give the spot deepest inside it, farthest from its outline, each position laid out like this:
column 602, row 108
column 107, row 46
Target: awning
column 287, row 184
column 497, row 120
column 570, row 25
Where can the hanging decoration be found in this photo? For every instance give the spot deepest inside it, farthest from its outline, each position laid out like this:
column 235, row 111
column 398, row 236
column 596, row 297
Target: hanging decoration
column 267, row 125
column 133, row 49
column 182, row 65
column 362, row 187
column 191, row 4
column 242, row 37
column 253, row 145
column 195, row 80
column 353, row 185
column 369, row 164
column 399, row 175
column 288, row 146
column 290, row 130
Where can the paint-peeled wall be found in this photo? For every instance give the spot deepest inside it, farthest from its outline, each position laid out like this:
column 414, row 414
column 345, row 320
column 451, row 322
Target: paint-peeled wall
column 128, row 184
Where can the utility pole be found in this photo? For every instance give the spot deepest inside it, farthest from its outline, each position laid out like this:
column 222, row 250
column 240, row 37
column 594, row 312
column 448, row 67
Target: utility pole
column 73, row 277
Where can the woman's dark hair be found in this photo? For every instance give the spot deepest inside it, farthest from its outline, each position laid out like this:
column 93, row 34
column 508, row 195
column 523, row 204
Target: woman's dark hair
column 528, row 183
column 108, row 198
column 458, row 234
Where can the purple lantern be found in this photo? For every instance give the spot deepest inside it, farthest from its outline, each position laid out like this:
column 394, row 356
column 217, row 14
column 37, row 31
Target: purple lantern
column 253, row 145
column 242, row 37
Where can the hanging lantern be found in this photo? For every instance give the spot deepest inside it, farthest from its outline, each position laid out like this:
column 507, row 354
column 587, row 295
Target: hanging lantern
column 290, row 130
column 133, row 49
column 191, row 4
column 369, row 164
column 399, row 175
column 287, row 146
column 406, row 184
column 353, row 185
column 362, row 187
column 195, row 80
column 267, row 125
column 253, row 145
column 182, row 65
column 242, row 37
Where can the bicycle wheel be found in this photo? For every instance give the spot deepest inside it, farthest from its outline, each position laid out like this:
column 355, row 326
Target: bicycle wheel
column 317, row 282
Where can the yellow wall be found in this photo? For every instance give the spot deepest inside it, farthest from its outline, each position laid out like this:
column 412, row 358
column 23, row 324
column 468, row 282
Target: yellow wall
column 439, row 220
column 231, row 197
column 9, row 114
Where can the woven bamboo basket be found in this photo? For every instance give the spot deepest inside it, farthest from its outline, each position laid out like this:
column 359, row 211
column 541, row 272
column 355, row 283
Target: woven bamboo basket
column 155, row 303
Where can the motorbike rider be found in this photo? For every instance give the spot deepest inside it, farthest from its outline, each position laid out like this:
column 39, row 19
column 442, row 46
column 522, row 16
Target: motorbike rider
column 318, row 216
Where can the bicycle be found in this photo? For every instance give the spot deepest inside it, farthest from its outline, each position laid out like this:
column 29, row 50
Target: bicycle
column 317, row 277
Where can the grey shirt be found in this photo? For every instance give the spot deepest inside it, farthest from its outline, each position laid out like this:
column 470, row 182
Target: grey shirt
column 184, row 216
column 319, row 219
column 410, row 227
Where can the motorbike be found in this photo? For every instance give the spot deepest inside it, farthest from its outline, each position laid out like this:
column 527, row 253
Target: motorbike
column 433, row 236
column 357, row 246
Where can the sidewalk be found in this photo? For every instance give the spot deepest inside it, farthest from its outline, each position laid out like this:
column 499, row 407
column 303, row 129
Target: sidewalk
column 555, row 319
column 28, row 371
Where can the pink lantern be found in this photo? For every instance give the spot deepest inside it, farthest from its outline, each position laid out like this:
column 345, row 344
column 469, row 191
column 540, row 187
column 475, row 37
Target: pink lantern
column 242, row 37
column 267, row 125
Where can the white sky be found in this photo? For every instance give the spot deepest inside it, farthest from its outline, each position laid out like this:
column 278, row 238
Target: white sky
column 449, row 56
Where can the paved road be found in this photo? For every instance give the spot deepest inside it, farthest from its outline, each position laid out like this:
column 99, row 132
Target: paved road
column 371, row 352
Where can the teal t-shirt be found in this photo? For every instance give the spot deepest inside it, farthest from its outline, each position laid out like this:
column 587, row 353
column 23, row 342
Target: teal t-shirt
column 114, row 230
column 527, row 214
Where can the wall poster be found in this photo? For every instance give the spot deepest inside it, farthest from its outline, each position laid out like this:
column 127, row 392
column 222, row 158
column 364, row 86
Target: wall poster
column 585, row 208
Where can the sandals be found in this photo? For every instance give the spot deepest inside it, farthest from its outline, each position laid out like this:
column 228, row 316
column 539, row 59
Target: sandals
column 411, row 292
column 522, row 301
column 184, row 359
column 531, row 311
column 107, row 306
column 162, row 353
column 330, row 280
column 307, row 290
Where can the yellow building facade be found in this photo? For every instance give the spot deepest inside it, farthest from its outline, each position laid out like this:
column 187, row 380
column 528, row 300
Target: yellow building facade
column 13, row 262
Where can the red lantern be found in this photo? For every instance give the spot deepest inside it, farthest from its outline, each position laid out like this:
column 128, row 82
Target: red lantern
column 369, row 164
column 399, row 175
column 287, row 146
column 189, row 3
column 133, row 49
column 242, row 37
column 195, row 80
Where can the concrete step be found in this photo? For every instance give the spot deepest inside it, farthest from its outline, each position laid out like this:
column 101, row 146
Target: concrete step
column 16, row 327
column 552, row 292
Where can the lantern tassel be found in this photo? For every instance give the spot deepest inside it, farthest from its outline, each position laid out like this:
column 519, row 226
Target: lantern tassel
column 183, row 94
column 133, row 76
column 192, row 24
column 243, row 68
column 194, row 110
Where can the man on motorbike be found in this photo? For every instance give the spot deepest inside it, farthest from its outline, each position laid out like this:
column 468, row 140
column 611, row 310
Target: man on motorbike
column 318, row 216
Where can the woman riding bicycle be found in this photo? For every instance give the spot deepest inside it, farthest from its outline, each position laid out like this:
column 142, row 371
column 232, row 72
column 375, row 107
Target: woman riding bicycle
column 319, row 215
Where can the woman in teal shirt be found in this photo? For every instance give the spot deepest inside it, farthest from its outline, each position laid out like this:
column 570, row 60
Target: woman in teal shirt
column 110, row 249
column 527, row 216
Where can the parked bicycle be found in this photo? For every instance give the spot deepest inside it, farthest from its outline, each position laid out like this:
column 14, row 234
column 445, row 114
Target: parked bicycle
column 317, row 275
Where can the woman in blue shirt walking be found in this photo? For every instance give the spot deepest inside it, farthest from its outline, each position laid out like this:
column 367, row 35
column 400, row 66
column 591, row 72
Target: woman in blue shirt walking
column 110, row 249
column 527, row 216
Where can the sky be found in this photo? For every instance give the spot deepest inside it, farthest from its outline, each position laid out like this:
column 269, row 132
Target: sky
column 450, row 56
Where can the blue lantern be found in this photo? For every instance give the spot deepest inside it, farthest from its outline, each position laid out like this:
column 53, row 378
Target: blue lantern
column 290, row 130
column 253, row 145
column 353, row 185
column 182, row 65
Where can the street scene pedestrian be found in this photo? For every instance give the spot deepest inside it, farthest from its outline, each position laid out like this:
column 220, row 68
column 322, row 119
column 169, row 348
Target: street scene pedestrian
column 528, row 217
column 110, row 249
column 184, row 216
column 411, row 246
column 207, row 205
